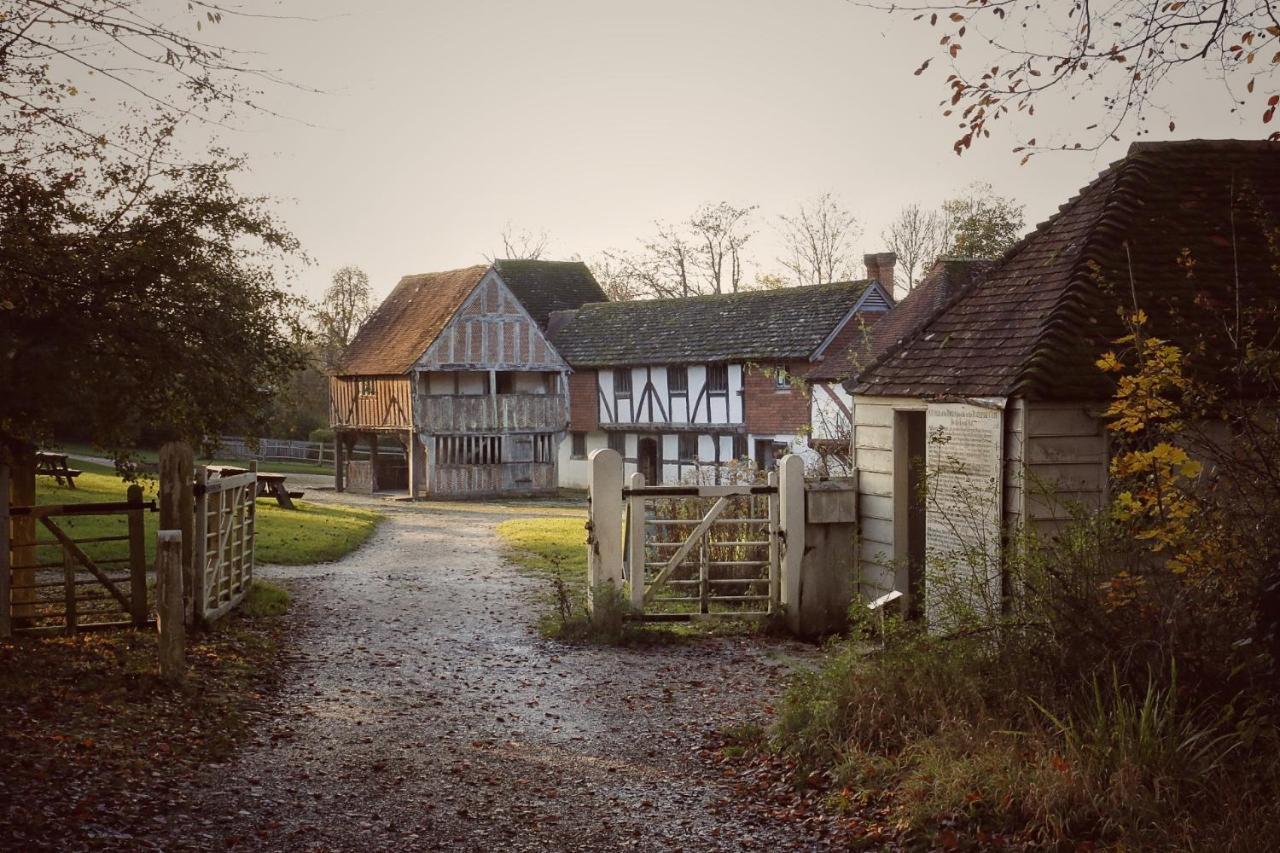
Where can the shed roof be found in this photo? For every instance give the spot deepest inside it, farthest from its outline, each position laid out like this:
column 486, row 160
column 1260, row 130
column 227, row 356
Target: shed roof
column 547, row 286
column 774, row 325
column 1155, row 229
column 407, row 322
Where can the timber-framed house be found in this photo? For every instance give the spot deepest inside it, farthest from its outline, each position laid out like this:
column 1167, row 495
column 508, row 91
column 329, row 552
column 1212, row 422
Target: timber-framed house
column 683, row 388
column 454, row 373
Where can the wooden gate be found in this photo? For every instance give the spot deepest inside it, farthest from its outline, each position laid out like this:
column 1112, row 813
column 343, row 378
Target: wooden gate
column 224, row 541
column 89, row 572
column 696, row 551
column 702, row 551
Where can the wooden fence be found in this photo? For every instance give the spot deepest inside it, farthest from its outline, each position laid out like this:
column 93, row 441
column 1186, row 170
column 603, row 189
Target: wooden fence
column 288, row 450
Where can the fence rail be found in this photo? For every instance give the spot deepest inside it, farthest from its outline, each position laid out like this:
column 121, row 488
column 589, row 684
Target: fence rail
column 289, row 450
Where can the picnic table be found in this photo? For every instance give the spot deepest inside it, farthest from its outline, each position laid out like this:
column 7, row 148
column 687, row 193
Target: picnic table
column 269, row 485
column 55, row 465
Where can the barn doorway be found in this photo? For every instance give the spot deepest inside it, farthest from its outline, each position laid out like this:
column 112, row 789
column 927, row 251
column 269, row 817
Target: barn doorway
column 909, row 438
column 649, row 460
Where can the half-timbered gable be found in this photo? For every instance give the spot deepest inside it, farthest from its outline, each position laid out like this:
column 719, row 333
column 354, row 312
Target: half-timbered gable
column 997, row 385
column 684, row 387
column 460, row 372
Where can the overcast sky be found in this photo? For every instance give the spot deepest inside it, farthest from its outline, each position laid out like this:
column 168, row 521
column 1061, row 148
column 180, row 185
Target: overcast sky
column 442, row 120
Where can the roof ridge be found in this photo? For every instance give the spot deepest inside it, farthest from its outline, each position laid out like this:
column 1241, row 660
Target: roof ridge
column 760, row 292
column 1113, row 214
column 1012, row 252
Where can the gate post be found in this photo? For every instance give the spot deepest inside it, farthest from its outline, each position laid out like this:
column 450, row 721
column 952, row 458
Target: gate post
column 137, row 558
column 177, row 507
column 791, row 510
column 604, row 520
column 635, row 542
column 6, row 602
column 170, row 609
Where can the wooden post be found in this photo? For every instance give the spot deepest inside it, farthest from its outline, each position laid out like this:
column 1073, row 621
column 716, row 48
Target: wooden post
column 339, row 463
column 69, row 589
column 775, row 546
column 177, row 507
column 6, row 603
column 22, row 492
column 137, row 557
column 791, row 512
column 373, row 462
column 170, row 608
column 635, row 541
column 200, row 548
column 604, row 537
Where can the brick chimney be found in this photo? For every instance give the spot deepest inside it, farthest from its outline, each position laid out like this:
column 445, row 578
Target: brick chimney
column 880, row 268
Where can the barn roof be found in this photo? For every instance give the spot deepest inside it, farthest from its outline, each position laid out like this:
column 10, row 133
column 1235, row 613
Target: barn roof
column 407, row 322
column 547, row 286
column 759, row 325
column 1155, row 228
column 415, row 313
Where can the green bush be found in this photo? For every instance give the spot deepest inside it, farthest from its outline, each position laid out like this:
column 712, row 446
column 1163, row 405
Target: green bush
column 321, row 434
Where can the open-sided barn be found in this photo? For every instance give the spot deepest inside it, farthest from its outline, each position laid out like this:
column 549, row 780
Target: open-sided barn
column 456, row 370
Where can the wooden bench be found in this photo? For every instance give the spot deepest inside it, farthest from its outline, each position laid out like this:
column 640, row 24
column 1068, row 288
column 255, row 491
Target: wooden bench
column 269, row 485
column 55, row 465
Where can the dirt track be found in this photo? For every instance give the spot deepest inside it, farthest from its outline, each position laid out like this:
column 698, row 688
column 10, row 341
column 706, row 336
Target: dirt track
column 422, row 711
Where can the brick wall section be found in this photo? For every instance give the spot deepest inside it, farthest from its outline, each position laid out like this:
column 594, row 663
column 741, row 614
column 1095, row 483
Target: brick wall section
column 773, row 410
column 849, row 349
column 584, row 405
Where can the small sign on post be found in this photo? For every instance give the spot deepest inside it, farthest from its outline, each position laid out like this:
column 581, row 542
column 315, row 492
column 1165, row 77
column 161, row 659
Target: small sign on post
column 169, row 606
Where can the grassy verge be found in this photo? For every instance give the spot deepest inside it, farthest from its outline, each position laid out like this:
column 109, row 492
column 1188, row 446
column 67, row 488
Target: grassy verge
column 312, row 533
column 95, row 745
column 555, row 548
column 962, row 743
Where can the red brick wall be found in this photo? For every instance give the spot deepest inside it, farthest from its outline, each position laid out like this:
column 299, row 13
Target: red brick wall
column 584, row 403
column 848, row 351
column 773, row 410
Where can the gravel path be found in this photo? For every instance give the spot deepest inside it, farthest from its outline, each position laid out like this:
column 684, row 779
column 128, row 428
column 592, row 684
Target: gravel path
column 422, row 711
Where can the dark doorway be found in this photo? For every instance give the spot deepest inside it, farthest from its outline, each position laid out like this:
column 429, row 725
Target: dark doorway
column 649, row 460
column 909, row 507
column 768, row 452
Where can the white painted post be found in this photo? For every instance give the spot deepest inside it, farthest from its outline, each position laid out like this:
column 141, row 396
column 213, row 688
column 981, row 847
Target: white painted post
column 775, row 546
column 604, row 514
column 169, row 607
column 635, row 544
column 791, row 509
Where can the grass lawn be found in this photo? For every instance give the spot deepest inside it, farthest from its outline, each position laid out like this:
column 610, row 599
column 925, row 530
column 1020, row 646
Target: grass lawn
column 274, row 466
column 310, row 534
column 553, row 547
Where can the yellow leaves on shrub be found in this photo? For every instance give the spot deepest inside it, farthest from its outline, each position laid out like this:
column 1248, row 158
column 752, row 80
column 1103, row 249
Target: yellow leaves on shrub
column 1155, row 477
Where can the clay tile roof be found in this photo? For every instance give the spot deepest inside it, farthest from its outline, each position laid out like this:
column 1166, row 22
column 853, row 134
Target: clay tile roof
column 547, row 286
column 407, row 322
column 759, row 325
column 1035, row 324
